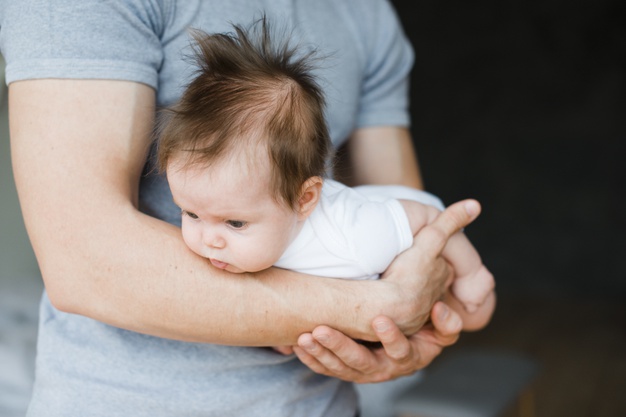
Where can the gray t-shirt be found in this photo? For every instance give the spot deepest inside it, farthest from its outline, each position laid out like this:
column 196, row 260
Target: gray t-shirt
column 87, row 368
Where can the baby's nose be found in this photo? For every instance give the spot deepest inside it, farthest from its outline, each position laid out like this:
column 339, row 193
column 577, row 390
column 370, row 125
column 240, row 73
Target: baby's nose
column 214, row 240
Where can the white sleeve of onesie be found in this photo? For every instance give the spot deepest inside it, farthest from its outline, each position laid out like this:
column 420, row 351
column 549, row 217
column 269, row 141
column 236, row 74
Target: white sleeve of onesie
column 377, row 233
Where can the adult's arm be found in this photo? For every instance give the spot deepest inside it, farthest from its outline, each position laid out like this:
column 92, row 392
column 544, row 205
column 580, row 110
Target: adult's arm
column 380, row 155
column 78, row 148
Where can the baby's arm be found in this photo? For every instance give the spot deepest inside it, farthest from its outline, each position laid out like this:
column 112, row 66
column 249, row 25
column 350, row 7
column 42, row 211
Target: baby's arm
column 473, row 282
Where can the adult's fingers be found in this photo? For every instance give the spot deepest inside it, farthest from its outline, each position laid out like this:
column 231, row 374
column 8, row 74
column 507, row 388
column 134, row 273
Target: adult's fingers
column 308, row 350
column 340, row 357
column 350, row 353
column 433, row 237
column 447, row 324
column 411, row 354
column 362, row 364
column 396, row 345
column 334, row 354
column 443, row 331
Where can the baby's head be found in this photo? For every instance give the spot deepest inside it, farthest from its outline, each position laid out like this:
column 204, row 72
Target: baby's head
column 245, row 149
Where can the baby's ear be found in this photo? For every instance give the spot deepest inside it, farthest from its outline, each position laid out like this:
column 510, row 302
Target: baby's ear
column 309, row 196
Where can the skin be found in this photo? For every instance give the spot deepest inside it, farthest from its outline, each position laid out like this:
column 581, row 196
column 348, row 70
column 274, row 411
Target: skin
column 110, row 262
column 380, row 155
column 473, row 282
column 229, row 215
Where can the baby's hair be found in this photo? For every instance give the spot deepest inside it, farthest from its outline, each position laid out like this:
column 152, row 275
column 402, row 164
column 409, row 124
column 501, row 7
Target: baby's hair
column 246, row 83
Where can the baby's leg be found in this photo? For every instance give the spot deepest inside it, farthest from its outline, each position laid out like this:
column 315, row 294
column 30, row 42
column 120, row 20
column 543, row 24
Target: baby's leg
column 473, row 281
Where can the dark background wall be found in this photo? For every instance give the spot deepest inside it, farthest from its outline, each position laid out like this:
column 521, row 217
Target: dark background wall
column 522, row 105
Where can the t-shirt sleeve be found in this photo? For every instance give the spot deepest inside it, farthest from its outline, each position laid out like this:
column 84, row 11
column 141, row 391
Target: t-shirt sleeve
column 389, row 58
column 86, row 39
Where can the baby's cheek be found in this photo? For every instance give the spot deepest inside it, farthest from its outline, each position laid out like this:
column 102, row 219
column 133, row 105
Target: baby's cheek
column 191, row 240
column 259, row 259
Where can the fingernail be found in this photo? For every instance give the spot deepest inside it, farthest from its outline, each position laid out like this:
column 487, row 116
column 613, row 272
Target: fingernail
column 309, row 346
column 323, row 338
column 381, row 326
column 456, row 323
column 444, row 312
column 471, row 208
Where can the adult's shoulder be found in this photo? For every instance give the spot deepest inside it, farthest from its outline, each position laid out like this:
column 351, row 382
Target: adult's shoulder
column 90, row 39
column 370, row 16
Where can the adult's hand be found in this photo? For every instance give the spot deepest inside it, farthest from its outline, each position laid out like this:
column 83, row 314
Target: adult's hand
column 420, row 274
column 329, row 352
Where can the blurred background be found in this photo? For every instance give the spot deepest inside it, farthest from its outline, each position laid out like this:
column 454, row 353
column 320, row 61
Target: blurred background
column 20, row 286
column 521, row 105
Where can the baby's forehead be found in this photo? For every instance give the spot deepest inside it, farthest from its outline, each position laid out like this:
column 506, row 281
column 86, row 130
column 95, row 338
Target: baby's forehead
column 247, row 152
column 250, row 159
column 230, row 180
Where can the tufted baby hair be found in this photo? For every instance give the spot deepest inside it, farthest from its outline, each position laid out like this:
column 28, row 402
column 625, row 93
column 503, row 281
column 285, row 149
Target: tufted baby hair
column 248, row 87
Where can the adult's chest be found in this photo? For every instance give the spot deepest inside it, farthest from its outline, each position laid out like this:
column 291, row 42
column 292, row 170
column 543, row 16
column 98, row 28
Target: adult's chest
column 309, row 25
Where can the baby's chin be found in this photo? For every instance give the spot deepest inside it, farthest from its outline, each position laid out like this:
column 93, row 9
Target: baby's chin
column 235, row 270
column 250, row 269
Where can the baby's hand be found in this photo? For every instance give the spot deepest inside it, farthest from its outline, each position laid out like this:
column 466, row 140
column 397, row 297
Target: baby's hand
column 472, row 290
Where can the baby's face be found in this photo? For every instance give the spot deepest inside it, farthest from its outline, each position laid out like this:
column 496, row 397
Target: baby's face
column 229, row 215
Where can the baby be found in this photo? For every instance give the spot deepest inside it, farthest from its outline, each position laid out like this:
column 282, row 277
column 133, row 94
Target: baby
column 246, row 152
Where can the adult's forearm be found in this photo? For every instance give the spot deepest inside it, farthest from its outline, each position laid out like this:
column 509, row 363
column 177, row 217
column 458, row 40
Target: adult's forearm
column 78, row 148
column 150, row 283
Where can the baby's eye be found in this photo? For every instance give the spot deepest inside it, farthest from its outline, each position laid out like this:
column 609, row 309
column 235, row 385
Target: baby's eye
column 191, row 215
column 236, row 224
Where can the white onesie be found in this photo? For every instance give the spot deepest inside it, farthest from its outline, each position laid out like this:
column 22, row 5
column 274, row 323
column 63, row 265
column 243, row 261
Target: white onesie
column 354, row 233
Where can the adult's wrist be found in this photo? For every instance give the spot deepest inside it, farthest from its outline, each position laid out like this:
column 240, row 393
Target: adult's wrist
column 371, row 299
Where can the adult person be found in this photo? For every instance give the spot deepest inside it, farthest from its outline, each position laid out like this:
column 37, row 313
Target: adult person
column 84, row 81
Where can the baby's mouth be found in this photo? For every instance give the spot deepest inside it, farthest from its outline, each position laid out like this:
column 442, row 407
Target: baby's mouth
column 218, row 264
